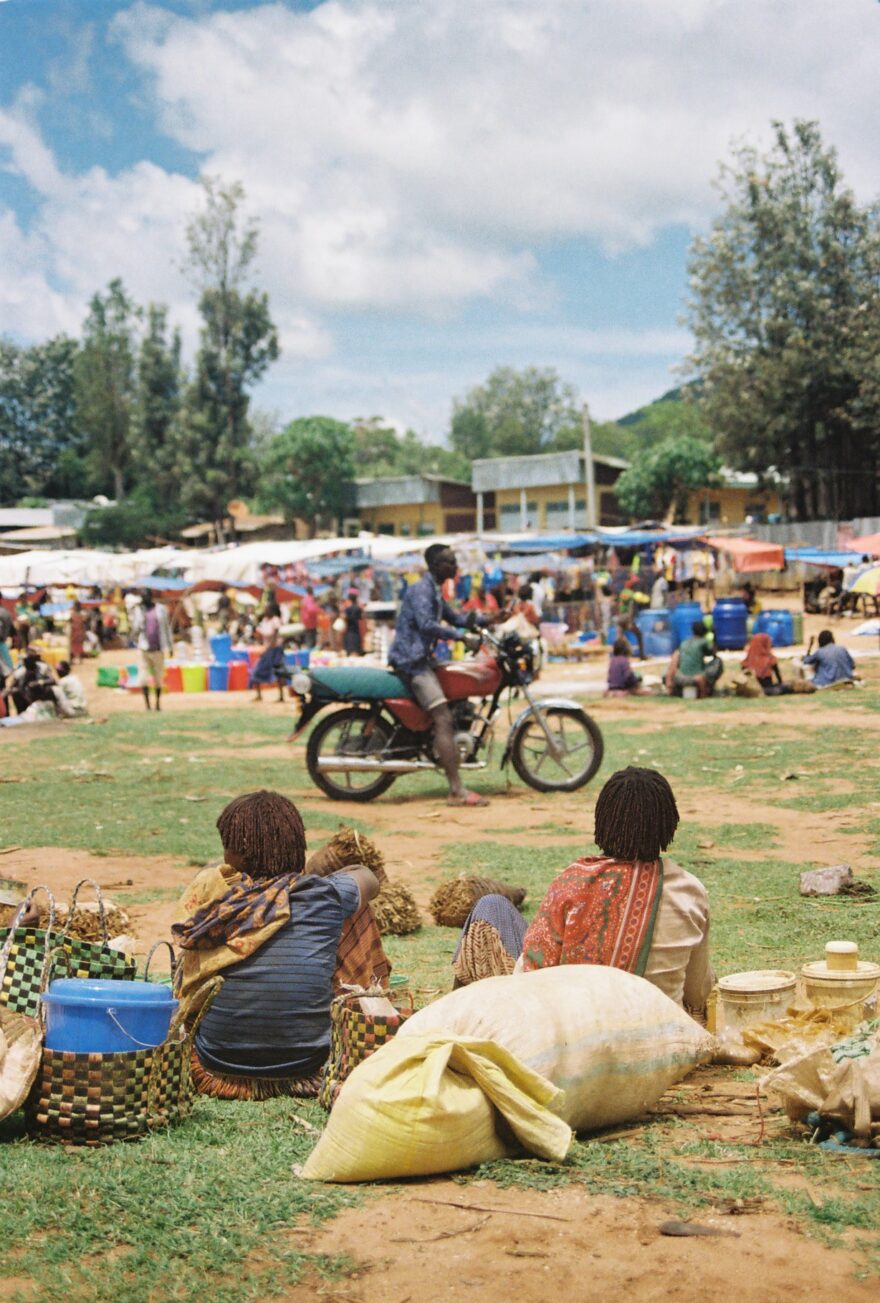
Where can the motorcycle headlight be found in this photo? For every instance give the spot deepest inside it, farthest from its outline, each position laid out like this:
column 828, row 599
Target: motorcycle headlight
column 301, row 683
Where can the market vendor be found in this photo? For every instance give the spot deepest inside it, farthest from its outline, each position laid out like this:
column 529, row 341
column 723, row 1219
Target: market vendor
column 629, row 907
column 277, row 937
column 832, row 663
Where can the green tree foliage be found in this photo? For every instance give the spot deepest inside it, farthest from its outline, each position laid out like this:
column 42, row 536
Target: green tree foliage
column 40, row 440
column 139, row 520
column 308, row 471
column 238, row 343
column 105, row 385
column 785, row 311
column 380, row 451
column 515, row 413
column 155, row 426
column 662, row 476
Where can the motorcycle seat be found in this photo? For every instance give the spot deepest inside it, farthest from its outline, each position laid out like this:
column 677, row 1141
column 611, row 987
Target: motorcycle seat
column 360, row 682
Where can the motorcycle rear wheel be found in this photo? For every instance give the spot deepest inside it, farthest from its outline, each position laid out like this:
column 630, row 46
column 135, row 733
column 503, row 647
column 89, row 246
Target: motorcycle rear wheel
column 583, row 750
column 342, row 733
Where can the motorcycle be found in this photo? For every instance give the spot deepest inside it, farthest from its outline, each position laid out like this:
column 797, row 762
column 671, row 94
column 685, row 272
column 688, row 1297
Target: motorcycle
column 380, row 732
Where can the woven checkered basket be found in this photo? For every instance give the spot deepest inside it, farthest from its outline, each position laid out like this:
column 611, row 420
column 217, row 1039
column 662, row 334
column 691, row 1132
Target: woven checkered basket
column 355, row 1035
column 96, row 1099
column 30, row 957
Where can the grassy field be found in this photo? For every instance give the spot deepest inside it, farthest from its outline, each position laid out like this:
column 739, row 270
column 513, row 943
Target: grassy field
column 179, row 1213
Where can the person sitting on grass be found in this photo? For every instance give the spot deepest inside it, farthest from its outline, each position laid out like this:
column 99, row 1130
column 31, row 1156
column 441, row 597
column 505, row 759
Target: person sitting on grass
column 833, row 664
column 281, row 939
column 70, row 696
column 628, row 908
column 695, row 664
column 763, row 664
column 622, row 678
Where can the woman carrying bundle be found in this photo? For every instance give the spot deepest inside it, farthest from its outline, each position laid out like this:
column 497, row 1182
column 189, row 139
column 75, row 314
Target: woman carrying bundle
column 281, row 939
column 627, row 908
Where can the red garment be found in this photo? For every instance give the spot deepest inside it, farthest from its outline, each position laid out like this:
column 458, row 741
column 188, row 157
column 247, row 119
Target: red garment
column 598, row 911
column 308, row 612
column 759, row 657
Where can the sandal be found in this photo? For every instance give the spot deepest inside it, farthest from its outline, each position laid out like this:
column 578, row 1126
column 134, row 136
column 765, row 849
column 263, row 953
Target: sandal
column 470, row 800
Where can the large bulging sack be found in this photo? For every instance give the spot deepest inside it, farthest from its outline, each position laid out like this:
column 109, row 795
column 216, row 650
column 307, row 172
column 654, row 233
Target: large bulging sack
column 610, row 1041
column 431, row 1104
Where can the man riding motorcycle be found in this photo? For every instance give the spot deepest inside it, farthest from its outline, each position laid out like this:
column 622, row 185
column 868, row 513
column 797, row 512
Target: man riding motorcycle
column 425, row 617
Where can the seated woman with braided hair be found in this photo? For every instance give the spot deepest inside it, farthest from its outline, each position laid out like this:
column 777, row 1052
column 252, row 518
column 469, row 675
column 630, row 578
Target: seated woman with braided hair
column 281, row 939
column 627, row 908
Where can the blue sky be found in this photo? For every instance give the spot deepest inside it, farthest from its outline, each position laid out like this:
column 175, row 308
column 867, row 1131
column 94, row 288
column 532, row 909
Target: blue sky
column 442, row 187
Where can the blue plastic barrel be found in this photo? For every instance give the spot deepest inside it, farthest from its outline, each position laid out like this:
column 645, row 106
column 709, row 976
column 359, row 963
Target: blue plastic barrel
column 91, row 1016
column 221, row 648
column 239, row 654
column 614, row 634
column 218, row 678
column 779, row 625
column 731, row 618
column 684, row 616
column 656, row 627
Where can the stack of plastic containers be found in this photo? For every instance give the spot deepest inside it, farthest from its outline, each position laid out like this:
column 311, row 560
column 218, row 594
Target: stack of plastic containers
column 731, row 623
column 779, row 625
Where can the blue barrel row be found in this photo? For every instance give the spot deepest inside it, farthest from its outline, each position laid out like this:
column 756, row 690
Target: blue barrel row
column 663, row 631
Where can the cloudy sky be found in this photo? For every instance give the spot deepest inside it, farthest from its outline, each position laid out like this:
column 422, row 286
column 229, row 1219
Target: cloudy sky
column 443, row 186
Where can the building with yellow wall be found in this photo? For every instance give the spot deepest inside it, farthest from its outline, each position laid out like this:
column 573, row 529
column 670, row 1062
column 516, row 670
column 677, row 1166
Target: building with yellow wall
column 738, row 499
column 416, row 506
column 546, row 491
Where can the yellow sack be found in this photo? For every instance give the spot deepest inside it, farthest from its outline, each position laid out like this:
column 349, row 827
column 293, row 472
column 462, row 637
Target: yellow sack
column 428, row 1104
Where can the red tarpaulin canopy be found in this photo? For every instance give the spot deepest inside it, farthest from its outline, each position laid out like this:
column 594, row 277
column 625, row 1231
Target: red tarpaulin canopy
column 749, row 554
column 868, row 546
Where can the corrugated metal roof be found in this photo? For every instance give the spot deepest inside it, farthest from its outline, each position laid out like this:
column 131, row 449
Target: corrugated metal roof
column 402, row 490
column 536, row 471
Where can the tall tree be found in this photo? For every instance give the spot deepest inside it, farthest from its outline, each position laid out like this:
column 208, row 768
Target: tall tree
column 41, row 443
column 785, row 293
column 662, row 477
column 238, row 343
column 155, row 426
column 105, row 385
column 514, row 413
column 308, row 471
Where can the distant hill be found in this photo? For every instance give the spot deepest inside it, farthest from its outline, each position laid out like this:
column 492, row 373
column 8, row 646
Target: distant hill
column 668, row 415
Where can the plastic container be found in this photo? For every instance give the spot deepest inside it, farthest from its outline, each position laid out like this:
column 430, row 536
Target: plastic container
column 221, row 648
column 90, row 1016
column 218, row 677
column 797, row 622
column 745, row 999
column 239, row 654
column 656, row 627
column 778, row 624
column 239, row 674
column 173, row 679
column 842, row 982
column 731, row 617
column 683, row 618
column 254, row 654
column 195, row 678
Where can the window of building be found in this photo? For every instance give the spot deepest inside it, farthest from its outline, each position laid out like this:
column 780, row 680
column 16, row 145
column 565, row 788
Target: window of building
column 426, row 530
column 511, row 519
column 386, row 527
column 709, row 511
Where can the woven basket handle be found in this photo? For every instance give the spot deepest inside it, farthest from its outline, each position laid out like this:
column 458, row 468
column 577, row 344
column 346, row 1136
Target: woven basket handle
column 176, row 964
column 102, row 912
column 19, row 915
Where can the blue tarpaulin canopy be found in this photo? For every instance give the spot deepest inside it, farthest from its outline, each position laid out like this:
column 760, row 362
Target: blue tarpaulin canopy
column 817, row 556
column 161, row 583
column 610, row 538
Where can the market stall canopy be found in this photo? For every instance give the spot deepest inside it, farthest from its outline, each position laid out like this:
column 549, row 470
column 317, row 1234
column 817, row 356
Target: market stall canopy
column 607, row 537
column 866, row 581
column 750, row 555
column 868, row 545
column 822, row 558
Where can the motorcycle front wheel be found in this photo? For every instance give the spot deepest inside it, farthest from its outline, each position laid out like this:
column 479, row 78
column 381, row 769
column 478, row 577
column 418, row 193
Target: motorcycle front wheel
column 343, row 734
column 579, row 743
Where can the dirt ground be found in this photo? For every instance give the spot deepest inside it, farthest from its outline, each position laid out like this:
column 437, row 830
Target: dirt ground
column 434, row 1239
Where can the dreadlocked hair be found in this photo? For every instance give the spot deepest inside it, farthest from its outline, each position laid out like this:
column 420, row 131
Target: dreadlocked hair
column 266, row 830
column 636, row 815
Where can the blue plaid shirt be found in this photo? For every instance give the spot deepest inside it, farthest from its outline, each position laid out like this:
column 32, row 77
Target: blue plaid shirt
column 420, row 624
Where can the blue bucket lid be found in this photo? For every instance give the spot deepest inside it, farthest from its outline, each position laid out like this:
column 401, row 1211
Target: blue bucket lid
column 70, row 990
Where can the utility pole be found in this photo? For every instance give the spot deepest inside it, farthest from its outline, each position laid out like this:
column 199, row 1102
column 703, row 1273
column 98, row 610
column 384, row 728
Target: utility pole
column 589, row 471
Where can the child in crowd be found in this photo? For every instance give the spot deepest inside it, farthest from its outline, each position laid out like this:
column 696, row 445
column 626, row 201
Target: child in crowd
column 622, row 678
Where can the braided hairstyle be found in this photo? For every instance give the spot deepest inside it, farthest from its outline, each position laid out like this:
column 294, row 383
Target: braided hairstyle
column 636, row 815
column 266, row 830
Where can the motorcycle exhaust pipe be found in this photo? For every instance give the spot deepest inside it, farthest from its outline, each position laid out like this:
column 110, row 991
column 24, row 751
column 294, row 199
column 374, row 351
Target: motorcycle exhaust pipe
column 360, row 764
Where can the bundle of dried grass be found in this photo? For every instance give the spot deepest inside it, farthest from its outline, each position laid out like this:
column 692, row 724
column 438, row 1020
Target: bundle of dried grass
column 344, row 849
column 86, row 921
column 395, row 910
column 453, row 900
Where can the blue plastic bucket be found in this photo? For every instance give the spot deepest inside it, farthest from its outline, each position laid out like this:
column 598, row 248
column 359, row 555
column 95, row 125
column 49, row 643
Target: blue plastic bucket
column 684, row 616
column 90, row 1016
column 239, row 654
column 218, row 678
column 221, row 648
column 731, row 618
column 297, row 660
column 656, row 627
